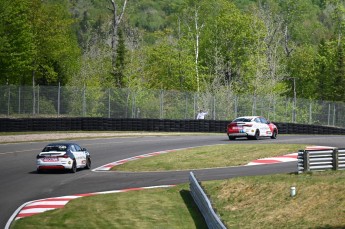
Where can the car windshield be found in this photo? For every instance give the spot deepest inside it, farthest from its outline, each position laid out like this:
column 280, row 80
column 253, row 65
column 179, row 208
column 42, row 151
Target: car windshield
column 242, row 120
column 59, row 148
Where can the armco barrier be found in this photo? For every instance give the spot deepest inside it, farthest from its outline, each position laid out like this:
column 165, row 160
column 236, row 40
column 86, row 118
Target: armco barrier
column 204, row 204
column 322, row 159
column 131, row 124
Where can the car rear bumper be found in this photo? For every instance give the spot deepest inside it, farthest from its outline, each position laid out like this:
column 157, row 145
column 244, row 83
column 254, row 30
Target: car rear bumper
column 54, row 165
column 241, row 134
column 237, row 134
column 51, row 167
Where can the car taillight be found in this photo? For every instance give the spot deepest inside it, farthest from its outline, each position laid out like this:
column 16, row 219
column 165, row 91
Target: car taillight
column 64, row 156
column 248, row 125
column 231, row 125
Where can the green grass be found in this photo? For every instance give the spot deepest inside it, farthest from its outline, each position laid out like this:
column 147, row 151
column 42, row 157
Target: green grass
column 246, row 202
column 154, row 208
column 209, row 157
column 265, row 202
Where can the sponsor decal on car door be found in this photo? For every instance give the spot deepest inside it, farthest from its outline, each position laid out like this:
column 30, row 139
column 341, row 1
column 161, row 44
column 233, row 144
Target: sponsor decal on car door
column 77, row 155
column 266, row 128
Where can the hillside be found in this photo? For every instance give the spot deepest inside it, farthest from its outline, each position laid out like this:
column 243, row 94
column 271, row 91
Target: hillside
column 242, row 46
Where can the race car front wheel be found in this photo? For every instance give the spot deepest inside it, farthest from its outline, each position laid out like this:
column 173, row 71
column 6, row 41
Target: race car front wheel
column 88, row 163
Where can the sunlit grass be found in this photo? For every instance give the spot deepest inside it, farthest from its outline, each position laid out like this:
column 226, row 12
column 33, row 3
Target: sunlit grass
column 246, row 202
column 265, row 202
column 209, row 157
column 154, row 208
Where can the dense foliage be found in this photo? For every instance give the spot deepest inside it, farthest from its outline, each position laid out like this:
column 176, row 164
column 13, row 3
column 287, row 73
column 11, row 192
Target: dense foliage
column 239, row 46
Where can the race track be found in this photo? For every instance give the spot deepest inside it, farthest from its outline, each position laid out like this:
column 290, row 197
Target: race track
column 20, row 183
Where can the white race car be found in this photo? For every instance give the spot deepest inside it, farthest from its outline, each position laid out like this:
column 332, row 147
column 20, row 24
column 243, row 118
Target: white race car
column 68, row 156
column 252, row 127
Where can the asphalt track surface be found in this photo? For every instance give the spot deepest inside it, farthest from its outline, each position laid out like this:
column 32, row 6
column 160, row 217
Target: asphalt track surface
column 20, row 183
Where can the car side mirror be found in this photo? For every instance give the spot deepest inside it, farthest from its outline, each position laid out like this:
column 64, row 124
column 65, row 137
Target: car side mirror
column 84, row 149
column 268, row 122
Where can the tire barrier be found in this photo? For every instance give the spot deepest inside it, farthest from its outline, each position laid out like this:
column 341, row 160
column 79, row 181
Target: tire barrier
column 132, row 124
column 204, row 204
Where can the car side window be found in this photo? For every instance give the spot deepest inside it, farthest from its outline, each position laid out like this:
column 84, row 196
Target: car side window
column 73, row 148
column 77, row 147
column 257, row 120
column 263, row 120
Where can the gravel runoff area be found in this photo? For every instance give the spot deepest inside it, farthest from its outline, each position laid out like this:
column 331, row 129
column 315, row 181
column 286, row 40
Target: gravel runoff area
column 11, row 138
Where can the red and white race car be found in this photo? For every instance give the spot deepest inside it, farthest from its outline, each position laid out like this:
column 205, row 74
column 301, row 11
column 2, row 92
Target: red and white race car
column 252, row 127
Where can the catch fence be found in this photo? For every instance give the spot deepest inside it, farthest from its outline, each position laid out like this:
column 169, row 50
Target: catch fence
column 56, row 101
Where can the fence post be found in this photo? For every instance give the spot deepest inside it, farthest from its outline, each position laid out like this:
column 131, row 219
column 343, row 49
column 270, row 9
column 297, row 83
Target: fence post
column 214, row 107
column 84, row 102
column 161, row 99
column 38, row 99
column 186, row 106
column 19, row 96
column 334, row 109
column 195, row 104
column 254, row 105
column 33, row 100
column 274, row 108
column 310, row 112
column 8, row 100
column 59, row 91
column 108, row 102
column 335, row 159
column 306, row 164
column 329, row 114
column 236, row 108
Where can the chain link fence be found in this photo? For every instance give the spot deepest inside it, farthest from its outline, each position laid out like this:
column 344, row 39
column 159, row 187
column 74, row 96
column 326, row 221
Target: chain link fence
column 56, row 101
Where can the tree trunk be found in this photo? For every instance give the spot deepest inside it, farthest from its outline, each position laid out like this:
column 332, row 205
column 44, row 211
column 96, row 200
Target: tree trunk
column 114, row 38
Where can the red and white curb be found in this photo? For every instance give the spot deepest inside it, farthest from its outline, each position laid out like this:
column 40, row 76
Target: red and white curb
column 287, row 157
column 273, row 160
column 43, row 205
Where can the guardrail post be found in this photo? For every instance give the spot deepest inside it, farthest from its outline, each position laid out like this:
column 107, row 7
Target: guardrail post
column 300, row 164
column 306, row 164
column 335, row 159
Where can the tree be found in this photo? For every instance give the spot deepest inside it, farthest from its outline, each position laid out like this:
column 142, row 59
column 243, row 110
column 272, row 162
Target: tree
column 165, row 63
column 39, row 43
column 116, row 20
column 17, row 41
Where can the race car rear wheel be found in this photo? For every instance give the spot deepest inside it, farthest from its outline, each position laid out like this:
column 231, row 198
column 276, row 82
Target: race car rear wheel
column 74, row 167
column 231, row 138
column 257, row 135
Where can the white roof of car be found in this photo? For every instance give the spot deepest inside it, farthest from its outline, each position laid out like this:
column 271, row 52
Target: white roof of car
column 248, row 117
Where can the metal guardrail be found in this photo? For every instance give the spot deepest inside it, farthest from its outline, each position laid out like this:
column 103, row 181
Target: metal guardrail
column 204, row 204
column 322, row 159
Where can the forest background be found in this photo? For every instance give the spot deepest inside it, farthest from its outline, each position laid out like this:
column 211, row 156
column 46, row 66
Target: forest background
column 256, row 47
